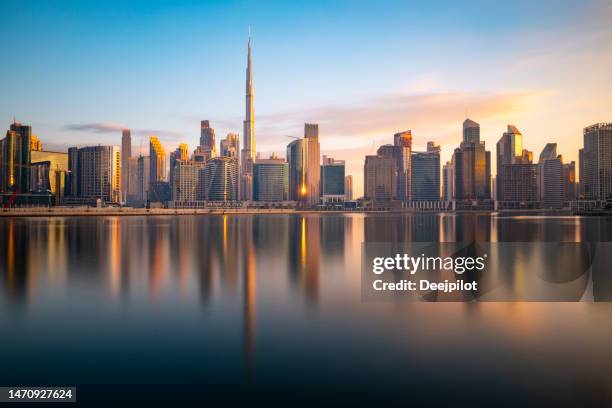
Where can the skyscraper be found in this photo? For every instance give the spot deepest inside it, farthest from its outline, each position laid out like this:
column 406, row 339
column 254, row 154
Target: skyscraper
column 380, row 179
column 296, row 159
column 551, row 192
column 332, row 180
column 248, row 151
column 403, row 157
column 220, row 179
column 16, row 158
column 448, row 181
column 184, row 184
column 99, row 173
column 179, row 155
column 126, row 154
column 596, row 162
column 230, row 146
column 143, row 175
column 35, row 144
column 270, row 180
column 569, row 181
column 207, row 140
column 426, row 174
column 516, row 180
column 472, row 166
column 72, row 178
column 313, row 163
column 158, row 160
column 348, row 188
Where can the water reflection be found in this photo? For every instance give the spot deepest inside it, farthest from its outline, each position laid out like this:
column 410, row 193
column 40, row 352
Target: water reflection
column 261, row 279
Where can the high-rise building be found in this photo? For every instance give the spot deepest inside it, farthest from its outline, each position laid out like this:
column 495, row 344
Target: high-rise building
column 596, row 162
column 219, row 179
column 133, row 194
column 72, row 178
column 448, row 181
column 180, row 154
column 47, row 172
column 270, row 180
column 248, row 152
column 472, row 166
column 296, row 159
column 16, row 158
column 516, row 180
column 313, row 164
column 551, row 187
column 348, row 188
column 380, row 178
column 126, row 154
column 207, row 140
column 99, row 173
column 403, row 156
column 569, row 181
column 426, row 174
column 332, row 180
column 509, row 151
column 157, row 156
column 143, row 176
column 230, row 146
column 35, row 144
column 185, row 181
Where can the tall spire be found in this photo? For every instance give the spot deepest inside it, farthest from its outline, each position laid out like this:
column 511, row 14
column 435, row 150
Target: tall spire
column 248, row 149
column 249, row 121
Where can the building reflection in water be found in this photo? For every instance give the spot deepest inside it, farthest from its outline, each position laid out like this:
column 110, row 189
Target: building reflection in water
column 304, row 257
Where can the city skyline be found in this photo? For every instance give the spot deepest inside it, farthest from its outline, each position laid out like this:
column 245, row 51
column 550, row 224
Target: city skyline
column 544, row 76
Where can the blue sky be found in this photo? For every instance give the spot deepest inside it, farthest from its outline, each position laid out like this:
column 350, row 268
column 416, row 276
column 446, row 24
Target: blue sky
column 77, row 70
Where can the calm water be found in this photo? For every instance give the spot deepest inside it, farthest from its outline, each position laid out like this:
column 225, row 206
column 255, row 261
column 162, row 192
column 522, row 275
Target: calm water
column 269, row 306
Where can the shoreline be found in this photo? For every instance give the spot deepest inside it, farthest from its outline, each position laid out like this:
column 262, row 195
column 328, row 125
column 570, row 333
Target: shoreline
column 130, row 212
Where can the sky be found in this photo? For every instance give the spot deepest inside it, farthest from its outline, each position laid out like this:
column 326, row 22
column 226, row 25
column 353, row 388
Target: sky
column 80, row 71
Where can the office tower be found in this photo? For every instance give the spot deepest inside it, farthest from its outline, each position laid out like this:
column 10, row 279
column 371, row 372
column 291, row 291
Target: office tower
column 143, row 175
column 248, row 152
column 509, row 151
column 99, row 173
column 425, row 169
column 403, row 152
column 72, row 178
column 313, row 163
column 230, row 146
column 270, row 180
column 207, row 140
column 16, row 159
column 569, row 181
column 296, row 159
column 596, row 162
column 332, row 180
column 471, row 131
column 551, row 189
column 348, row 188
column 472, row 166
column 380, row 178
column 448, row 180
column 219, row 179
column 516, row 180
column 132, row 191
column 158, row 160
column 180, row 154
column 47, row 172
column 185, row 180
column 35, row 144
column 126, row 154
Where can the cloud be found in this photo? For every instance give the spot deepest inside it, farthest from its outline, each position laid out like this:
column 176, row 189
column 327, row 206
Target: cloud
column 110, row 127
column 434, row 116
